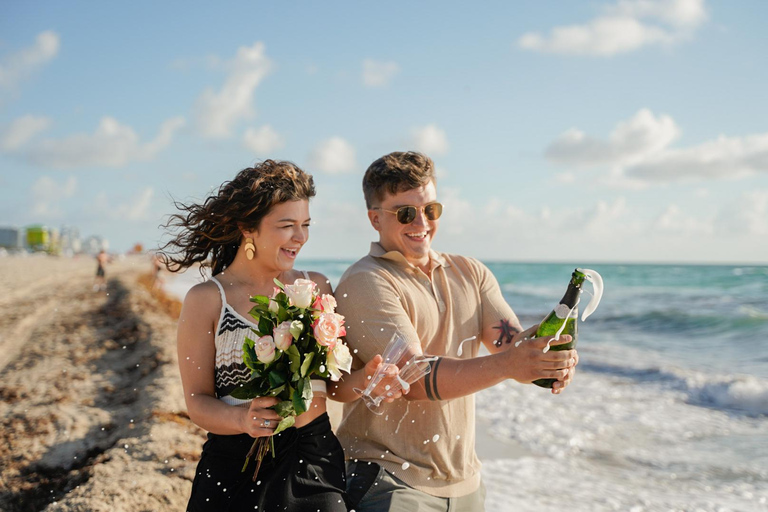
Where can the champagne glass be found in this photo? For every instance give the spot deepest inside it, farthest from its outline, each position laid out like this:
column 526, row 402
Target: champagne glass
column 399, row 378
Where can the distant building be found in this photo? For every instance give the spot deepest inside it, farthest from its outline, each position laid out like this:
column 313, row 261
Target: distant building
column 38, row 237
column 69, row 241
column 11, row 238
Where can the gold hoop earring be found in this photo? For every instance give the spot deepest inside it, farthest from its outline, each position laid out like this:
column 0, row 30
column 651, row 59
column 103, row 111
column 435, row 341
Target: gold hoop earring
column 250, row 249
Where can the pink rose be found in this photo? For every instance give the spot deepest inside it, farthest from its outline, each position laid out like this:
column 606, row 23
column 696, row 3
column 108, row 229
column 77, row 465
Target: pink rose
column 282, row 335
column 265, row 349
column 300, row 292
column 327, row 328
column 324, row 303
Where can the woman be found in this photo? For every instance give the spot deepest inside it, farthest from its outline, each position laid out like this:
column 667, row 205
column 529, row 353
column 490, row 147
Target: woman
column 250, row 233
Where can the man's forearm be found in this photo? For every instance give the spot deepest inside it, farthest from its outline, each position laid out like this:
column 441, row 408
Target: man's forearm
column 453, row 378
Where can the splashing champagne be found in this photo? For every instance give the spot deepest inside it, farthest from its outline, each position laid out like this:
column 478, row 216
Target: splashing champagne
column 564, row 318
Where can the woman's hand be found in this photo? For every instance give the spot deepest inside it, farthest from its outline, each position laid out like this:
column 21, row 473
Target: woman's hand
column 259, row 420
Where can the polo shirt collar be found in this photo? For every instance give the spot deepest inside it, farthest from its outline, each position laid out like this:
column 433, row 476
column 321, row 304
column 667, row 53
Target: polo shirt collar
column 435, row 259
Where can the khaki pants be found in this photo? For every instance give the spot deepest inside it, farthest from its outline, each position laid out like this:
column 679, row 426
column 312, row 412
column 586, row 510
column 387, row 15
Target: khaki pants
column 371, row 488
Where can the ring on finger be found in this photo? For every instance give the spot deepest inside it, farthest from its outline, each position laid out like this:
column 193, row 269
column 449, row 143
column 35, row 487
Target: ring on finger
column 267, row 423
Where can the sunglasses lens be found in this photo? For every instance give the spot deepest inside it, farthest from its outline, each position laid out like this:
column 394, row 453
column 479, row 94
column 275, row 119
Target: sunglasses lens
column 433, row 211
column 406, row 214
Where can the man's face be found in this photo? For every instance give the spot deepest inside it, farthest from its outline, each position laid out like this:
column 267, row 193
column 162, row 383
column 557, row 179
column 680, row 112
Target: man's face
column 412, row 240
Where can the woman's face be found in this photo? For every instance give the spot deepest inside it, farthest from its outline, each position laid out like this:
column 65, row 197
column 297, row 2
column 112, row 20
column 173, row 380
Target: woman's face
column 281, row 235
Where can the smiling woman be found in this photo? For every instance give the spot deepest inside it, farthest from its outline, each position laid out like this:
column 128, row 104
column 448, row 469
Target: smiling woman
column 250, row 233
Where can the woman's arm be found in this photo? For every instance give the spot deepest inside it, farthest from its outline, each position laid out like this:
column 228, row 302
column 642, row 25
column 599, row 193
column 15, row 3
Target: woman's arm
column 197, row 356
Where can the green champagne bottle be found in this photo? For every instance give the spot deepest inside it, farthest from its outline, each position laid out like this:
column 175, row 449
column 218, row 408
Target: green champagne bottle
column 566, row 312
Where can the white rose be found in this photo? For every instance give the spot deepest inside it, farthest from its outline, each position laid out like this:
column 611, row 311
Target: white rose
column 300, row 292
column 339, row 359
column 273, row 305
column 265, row 349
column 282, row 335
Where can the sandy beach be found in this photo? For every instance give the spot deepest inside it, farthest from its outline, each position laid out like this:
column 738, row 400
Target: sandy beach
column 92, row 411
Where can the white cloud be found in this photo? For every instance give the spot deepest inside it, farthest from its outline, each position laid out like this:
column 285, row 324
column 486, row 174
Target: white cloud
column 379, row 74
column 217, row 113
column 725, row 157
column 638, row 153
column 47, row 193
column 334, row 156
column 625, row 26
column 430, row 140
column 631, row 141
column 21, row 131
column 18, row 66
column 748, row 215
column 263, row 141
column 674, row 221
column 111, row 145
column 134, row 209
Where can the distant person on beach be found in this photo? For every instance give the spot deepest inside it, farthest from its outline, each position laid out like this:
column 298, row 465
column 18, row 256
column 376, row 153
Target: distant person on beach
column 157, row 266
column 423, row 457
column 250, row 233
column 100, row 282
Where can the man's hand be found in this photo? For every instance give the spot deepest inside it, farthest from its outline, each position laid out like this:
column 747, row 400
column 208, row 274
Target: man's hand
column 389, row 386
column 528, row 361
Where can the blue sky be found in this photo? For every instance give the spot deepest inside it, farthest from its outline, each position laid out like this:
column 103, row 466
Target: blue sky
column 618, row 130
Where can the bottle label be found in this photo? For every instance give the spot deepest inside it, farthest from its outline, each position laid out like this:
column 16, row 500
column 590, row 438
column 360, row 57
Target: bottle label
column 561, row 311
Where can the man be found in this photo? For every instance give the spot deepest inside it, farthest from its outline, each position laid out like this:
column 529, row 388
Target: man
column 420, row 453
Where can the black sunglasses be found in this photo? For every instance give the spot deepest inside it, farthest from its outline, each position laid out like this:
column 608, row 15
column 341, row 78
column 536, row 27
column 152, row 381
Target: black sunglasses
column 407, row 214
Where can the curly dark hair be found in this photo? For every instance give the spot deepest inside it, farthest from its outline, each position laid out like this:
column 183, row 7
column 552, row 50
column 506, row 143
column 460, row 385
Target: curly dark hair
column 209, row 233
column 396, row 172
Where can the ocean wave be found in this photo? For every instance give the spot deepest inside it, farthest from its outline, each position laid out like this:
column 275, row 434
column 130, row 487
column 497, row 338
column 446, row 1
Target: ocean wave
column 742, row 394
column 681, row 321
column 746, row 394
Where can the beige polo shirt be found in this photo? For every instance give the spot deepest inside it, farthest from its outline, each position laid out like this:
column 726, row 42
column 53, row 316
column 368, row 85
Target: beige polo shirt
column 430, row 445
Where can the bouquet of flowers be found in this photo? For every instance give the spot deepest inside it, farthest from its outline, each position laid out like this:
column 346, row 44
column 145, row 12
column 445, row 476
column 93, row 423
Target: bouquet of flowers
column 297, row 338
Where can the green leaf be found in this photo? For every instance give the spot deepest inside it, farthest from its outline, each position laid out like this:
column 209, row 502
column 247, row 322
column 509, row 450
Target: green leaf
column 276, row 379
column 300, row 405
column 297, row 327
column 285, row 423
column 307, row 363
column 284, row 408
column 249, row 354
column 306, row 391
column 295, row 357
column 250, row 389
column 265, row 325
column 279, row 284
column 260, row 299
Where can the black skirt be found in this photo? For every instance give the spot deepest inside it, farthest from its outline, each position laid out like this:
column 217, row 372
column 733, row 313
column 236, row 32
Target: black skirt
column 306, row 474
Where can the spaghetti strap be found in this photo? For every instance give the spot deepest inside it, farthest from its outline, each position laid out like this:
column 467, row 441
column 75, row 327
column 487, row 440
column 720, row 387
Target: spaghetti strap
column 223, row 295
